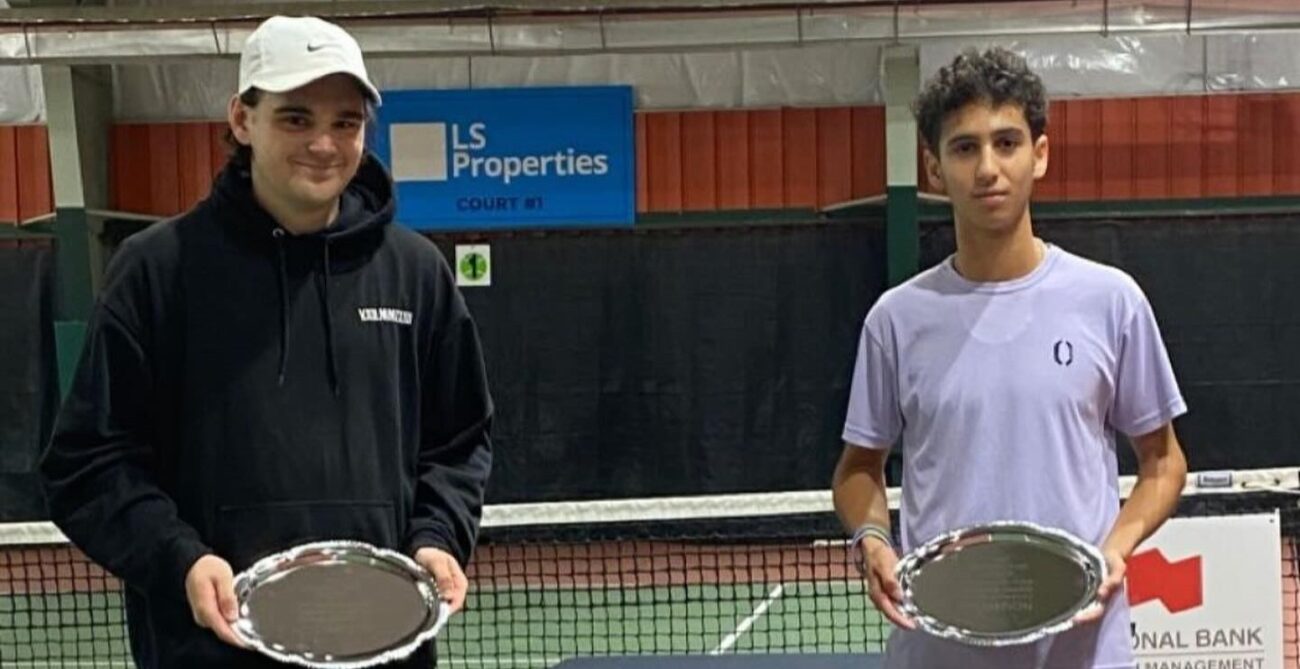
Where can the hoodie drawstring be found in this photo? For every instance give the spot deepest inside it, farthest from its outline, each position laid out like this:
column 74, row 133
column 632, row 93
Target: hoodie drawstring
column 329, row 324
column 278, row 233
column 324, row 279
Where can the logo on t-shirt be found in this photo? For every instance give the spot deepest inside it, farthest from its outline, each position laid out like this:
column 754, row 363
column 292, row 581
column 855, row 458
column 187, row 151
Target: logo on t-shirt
column 1063, row 352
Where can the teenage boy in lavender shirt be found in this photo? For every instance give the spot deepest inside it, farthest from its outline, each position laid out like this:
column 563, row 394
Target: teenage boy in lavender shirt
column 1008, row 371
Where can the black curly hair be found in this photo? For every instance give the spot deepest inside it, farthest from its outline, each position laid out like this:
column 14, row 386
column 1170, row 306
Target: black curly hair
column 997, row 76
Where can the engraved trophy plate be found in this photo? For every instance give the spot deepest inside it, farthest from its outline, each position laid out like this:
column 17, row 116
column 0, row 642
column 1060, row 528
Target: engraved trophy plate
column 337, row 605
column 1000, row 584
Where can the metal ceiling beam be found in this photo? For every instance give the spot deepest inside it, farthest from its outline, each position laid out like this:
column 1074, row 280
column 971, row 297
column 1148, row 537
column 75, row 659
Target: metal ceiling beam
column 417, row 28
column 420, row 9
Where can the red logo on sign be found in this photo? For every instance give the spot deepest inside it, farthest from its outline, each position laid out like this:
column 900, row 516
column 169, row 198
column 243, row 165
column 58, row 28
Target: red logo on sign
column 1176, row 584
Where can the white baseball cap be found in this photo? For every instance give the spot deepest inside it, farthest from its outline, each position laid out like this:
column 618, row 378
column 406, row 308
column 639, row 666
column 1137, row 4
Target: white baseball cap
column 284, row 53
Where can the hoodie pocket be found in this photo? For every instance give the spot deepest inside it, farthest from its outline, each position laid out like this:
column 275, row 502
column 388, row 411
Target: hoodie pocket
column 247, row 533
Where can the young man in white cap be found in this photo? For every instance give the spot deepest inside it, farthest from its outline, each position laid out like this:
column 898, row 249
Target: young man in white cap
column 278, row 365
column 1009, row 371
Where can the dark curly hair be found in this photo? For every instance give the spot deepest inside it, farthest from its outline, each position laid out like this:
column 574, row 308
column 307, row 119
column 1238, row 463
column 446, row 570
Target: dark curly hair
column 242, row 153
column 997, row 76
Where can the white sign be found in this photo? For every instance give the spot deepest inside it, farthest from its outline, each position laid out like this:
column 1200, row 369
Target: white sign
column 473, row 265
column 1206, row 593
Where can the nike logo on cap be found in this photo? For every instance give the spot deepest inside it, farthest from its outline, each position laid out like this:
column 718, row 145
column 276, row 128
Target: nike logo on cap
column 312, row 48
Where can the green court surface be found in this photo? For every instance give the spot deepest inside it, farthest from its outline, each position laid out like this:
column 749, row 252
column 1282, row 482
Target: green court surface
column 539, row 628
column 516, row 628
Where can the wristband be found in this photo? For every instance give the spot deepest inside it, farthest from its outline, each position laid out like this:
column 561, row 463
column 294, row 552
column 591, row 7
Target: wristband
column 867, row 530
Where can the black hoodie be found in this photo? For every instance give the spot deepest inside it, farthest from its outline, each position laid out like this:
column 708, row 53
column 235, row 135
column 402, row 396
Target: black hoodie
column 243, row 390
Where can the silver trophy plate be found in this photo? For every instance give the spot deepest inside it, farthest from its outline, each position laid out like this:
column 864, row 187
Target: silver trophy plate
column 999, row 584
column 337, row 605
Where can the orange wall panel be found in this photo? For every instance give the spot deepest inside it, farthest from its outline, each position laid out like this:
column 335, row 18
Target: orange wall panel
column 163, row 158
column 1152, row 131
column 1221, row 141
column 834, row 155
column 699, row 162
column 1116, row 148
column 664, row 156
column 1083, row 150
column 733, row 171
column 766, row 160
column 1186, row 150
column 163, row 169
column 686, row 160
column 799, row 134
column 867, row 126
column 194, row 162
column 1256, row 147
column 8, row 174
column 35, row 187
column 758, row 159
column 130, row 177
column 1286, row 144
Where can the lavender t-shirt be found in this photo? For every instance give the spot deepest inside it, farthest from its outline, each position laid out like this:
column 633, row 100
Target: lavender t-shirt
column 1008, row 397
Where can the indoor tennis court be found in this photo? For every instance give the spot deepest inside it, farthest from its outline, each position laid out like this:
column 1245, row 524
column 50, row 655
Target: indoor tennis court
column 667, row 221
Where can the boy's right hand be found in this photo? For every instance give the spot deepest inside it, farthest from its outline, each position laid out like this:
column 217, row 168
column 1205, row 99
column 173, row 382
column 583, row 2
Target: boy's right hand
column 883, row 589
column 210, row 589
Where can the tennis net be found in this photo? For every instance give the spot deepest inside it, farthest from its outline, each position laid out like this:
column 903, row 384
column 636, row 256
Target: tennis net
column 762, row 573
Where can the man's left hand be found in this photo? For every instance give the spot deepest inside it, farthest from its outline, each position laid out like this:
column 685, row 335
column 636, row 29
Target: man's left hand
column 452, row 584
column 1115, row 567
